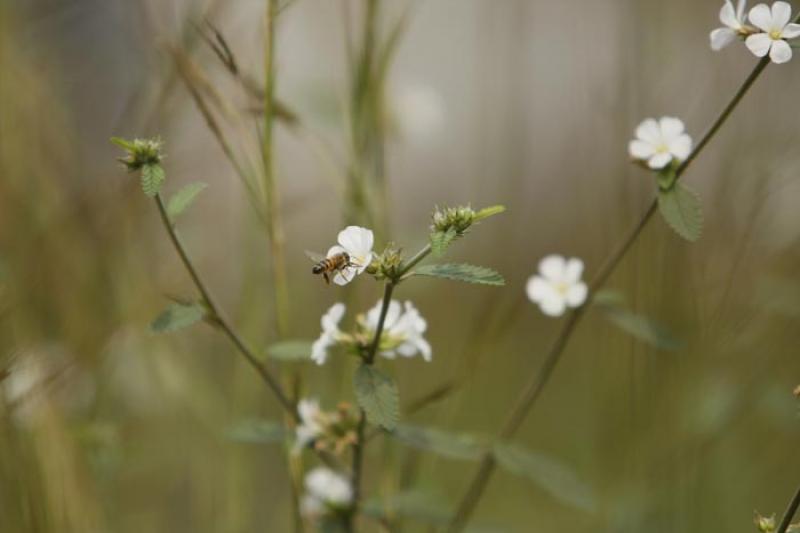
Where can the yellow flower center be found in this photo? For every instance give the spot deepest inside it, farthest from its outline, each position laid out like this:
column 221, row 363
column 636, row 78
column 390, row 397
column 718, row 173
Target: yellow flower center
column 775, row 35
column 662, row 149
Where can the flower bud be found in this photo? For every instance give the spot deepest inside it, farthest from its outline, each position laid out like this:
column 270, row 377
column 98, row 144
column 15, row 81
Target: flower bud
column 140, row 152
column 456, row 218
column 765, row 524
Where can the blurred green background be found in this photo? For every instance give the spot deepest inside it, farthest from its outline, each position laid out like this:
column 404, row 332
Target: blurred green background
column 107, row 427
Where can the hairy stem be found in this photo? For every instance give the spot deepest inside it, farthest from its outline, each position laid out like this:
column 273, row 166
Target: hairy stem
column 414, row 261
column 217, row 316
column 533, row 389
column 786, row 521
column 358, row 448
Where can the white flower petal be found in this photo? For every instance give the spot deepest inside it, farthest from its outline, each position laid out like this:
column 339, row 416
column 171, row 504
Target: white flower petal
column 722, row 37
column 791, row 31
column 330, row 320
column 361, row 261
column 781, row 15
column 671, row 128
column 641, row 150
column 759, row 44
column 335, row 250
column 424, row 348
column 536, row 288
column 552, row 267
column 740, row 7
column 649, row 131
column 343, row 277
column 727, row 15
column 554, row 305
column 576, row 295
column 573, row 271
column 681, row 147
column 319, row 350
column 761, row 17
column 356, row 240
column 659, row 161
column 780, row 52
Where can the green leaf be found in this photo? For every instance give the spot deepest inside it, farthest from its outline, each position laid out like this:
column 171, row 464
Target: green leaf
column 178, row 316
column 682, row 210
column 152, row 179
column 487, row 212
column 441, row 241
column 452, row 446
column 183, row 199
column 123, row 143
column 643, row 329
column 463, row 272
column 419, row 506
column 292, row 350
column 378, row 397
column 256, row 431
column 552, row 476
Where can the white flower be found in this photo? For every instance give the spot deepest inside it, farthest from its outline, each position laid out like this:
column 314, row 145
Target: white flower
column 357, row 243
column 325, row 488
column 311, row 425
column 734, row 21
column 775, row 28
column 330, row 333
column 660, row 142
column 558, row 285
column 402, row 330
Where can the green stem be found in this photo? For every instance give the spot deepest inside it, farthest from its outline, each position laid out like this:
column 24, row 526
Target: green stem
column 414, row 261
column 358, row 448
column 788, row 516
column 533, row 389
column 217, row 316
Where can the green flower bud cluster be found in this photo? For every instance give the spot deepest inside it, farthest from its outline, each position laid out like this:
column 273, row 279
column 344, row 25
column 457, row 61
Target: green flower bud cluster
column 140, row 152
column 453, row 218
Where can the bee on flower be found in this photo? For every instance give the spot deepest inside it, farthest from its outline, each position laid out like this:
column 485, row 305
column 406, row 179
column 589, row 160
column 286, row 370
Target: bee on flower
column 344, row 261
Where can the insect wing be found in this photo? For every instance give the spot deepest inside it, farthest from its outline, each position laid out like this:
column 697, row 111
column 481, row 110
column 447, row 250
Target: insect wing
column 315, row 257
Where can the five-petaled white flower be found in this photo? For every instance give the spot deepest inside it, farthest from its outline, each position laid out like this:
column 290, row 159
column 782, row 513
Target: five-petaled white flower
column 734, row 21
column 325, row 489
column 330, row 333
column 402, row 330
column 357, row 243
column 775, row 26
column 558, row 285
column 660, row 142
column 311, row 425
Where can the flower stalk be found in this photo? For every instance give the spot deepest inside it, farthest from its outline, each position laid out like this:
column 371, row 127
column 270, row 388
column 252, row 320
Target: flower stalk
column 218, row 319
column 533, row 389
column 786, row 521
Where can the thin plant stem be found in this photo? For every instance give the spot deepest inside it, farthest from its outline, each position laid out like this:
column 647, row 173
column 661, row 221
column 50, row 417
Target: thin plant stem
column 788, row 516
column 358, row 448
column 533, row 388
column 414, row 261
column 219, row 319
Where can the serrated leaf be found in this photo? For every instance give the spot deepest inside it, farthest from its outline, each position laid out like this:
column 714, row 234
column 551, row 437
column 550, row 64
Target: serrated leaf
column 463, row 272
column 487, row 212
column 378, row 396
column 183, row 199
column 552, row 476
column 152, row 179
column 441, row 241
column 178, row 316
column 256, row 431
column 452, row 446
column 292, row 350
column 682, row 210
column 643, row 329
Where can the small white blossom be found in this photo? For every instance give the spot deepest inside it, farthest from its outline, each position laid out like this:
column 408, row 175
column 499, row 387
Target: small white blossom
column 325, row 489
column 558, row 285
column 402, row 330
column 660, row 142
column 734, row 21
column 311, row 425
column 775, row 26
column 356, row 242
column 330, row 333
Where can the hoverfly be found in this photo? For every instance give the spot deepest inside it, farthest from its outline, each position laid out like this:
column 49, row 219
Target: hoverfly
column 328, row 266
